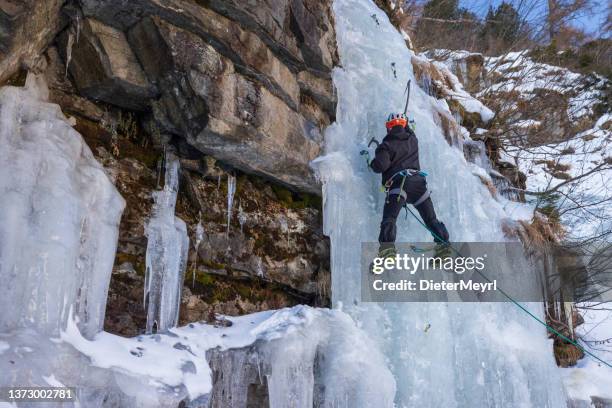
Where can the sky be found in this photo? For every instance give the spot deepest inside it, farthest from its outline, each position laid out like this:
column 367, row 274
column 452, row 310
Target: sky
column 590, row 22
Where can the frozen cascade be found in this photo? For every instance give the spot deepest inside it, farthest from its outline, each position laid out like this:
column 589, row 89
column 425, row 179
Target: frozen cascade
column 166, row 257
column 231, row 190
column 486, row 354
column 59, row 218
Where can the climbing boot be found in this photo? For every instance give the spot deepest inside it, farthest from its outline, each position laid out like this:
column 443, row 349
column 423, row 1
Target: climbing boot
column 384, row 253
column 443, row 250
column 388, row 252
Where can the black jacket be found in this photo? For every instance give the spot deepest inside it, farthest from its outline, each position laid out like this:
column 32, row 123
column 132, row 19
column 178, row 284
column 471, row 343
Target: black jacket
column 398, row 151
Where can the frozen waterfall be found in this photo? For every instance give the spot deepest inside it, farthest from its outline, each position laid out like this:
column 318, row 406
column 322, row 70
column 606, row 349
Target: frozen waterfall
column 59, row 218
column 471, row 354
column 166, row 258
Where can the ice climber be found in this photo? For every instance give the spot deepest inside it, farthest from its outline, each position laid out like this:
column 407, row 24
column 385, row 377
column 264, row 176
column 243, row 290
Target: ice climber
column 397, row 158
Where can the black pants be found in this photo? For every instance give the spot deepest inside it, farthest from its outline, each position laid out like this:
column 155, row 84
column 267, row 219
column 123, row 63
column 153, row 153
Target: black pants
column 415, row 187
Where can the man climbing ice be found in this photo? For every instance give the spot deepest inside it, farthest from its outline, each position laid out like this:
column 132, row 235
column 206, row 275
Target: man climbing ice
column 397, row 158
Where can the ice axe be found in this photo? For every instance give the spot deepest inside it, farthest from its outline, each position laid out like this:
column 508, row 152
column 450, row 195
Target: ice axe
column 366, row 154
column 408, row 96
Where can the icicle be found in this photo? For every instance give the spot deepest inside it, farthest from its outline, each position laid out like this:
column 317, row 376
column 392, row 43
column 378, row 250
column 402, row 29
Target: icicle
column 241, row 217
column 285, row 228
column 231, row 190
column 199, row 237
column 166, row 257
column 425, row 83
column 259, row 267
column 568, row 310
column 69, row 51
column 78, row 27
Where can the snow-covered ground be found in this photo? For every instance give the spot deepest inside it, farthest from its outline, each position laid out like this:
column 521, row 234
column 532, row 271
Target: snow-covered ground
column 162, row 369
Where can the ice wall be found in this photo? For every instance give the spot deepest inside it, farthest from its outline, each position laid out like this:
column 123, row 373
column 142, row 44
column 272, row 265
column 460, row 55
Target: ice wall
column 166, row 258
column 59, row 218
column 441, row 354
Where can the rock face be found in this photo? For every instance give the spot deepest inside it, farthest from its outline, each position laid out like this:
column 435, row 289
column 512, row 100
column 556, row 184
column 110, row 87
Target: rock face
column 104, row 67
column 246, row 83
column 26, row 29
column 274, row 253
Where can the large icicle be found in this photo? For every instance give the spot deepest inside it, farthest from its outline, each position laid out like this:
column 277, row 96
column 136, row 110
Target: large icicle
column 441, row 354
column 166, row 258
column 59, row 218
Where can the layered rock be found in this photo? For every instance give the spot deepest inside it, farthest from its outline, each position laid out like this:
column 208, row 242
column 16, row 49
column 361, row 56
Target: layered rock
column 26, row 29
column 249, row 85
column 104, row 66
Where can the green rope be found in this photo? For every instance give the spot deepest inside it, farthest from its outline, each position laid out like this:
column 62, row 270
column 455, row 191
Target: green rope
column 537, row 319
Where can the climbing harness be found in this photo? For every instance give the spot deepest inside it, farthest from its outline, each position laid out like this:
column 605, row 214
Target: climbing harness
column 511, row 299
column 400, row 191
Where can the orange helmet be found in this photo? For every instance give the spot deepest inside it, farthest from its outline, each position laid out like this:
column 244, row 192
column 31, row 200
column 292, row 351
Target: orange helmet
column 396, row 119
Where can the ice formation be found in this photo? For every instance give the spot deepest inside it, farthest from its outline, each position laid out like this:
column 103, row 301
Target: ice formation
column 480, row 354
column 199, row 237
column 59, row 218
column 242, row 218
column 231, row 190
column 166, row 258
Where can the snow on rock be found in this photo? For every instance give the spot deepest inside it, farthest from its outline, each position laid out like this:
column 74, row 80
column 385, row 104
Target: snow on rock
column 450, row 88
column 516, row 72
column 166, row 257
column 577, row 159
column 59, row 217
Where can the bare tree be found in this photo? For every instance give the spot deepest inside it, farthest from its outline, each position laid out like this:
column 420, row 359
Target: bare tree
column 563, row 12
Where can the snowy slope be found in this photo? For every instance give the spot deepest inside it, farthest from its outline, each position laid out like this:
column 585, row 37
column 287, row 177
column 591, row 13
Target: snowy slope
column 476, row 354
column 549, row 146
column 584, row 146
column 516, row 72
